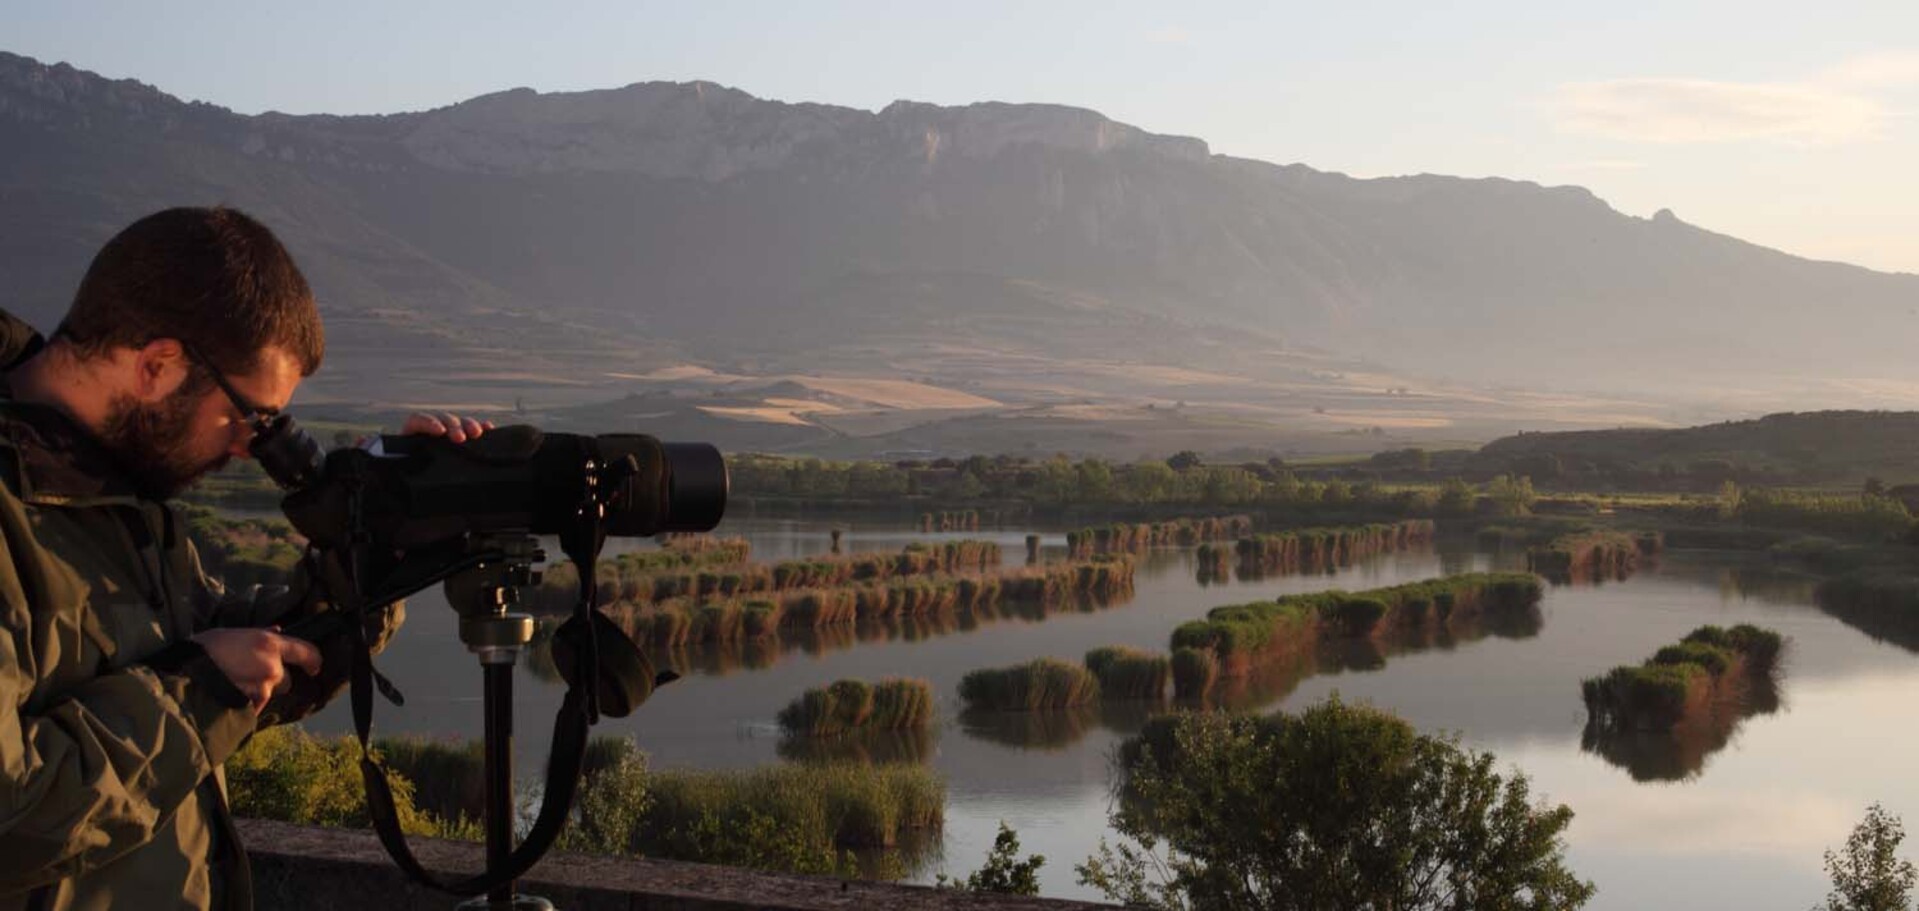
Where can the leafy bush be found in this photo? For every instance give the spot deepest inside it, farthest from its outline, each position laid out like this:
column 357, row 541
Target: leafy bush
column 1339, row 807
column 1004, row 873
column 284, row 773
column 1870, row 876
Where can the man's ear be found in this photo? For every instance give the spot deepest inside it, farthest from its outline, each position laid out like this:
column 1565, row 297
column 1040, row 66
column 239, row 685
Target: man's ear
column 159, row 368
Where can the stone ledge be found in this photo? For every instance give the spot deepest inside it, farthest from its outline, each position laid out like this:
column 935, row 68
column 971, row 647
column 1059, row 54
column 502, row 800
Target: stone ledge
column 296, row 868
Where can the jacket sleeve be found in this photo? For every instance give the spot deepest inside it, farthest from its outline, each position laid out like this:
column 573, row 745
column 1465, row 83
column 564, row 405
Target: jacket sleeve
column 91, row 774
column 301, row 599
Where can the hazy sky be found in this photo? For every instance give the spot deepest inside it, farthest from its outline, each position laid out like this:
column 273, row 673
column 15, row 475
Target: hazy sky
column 1790, row 124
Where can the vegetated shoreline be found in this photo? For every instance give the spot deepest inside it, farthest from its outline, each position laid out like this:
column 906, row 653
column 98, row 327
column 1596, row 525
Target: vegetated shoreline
column 793, row 817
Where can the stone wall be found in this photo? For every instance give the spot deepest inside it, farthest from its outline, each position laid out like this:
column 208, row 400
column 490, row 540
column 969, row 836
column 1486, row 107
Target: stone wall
column 303, row 868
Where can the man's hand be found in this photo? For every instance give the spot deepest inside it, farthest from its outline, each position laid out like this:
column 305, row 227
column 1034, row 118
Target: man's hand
column 256, row 659
column 451, row 426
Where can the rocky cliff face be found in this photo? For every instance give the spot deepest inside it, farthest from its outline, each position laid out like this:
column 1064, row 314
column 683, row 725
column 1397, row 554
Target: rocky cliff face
column 702, row 131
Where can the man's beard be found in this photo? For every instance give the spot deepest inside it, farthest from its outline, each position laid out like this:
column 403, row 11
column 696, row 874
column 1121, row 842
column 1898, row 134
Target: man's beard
column 153, row 443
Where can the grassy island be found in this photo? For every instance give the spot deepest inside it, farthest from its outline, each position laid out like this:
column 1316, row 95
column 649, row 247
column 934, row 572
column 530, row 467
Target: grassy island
column 1232, row 640
column 1592, row 555
column 1686, row 677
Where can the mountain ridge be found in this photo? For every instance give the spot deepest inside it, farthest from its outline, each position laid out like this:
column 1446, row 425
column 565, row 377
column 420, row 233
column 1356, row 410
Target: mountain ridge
column 662, row 223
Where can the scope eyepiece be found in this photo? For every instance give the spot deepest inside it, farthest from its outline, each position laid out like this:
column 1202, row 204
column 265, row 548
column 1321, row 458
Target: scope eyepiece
column 288, row 454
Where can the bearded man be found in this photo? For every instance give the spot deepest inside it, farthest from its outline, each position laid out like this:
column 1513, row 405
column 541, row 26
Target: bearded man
column 126, row 677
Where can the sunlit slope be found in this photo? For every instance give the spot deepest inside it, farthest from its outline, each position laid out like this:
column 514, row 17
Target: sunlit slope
column 661, row 221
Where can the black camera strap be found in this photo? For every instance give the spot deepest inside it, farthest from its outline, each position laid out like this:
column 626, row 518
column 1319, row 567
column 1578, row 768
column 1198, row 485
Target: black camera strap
column 579, row 710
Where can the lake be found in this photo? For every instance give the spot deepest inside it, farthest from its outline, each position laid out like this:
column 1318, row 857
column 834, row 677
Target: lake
column 1743, row 826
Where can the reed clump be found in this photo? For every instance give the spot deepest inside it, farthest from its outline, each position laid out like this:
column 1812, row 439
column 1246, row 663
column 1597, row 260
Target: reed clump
column 1043, row 683
column 1240, row 636
column 847, row 706
column 1138, row 537
column 655, row 576
column 679, row 551
column 1124, row 672
column 1195, row 671
column 1686, row 677
column 950, row 520
column 1318, row 549
column 1592, row 555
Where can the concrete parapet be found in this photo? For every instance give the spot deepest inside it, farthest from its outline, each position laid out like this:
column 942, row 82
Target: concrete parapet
column 297, row 868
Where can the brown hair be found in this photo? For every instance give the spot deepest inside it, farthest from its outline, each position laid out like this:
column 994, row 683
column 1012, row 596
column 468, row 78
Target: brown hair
column 215, row 279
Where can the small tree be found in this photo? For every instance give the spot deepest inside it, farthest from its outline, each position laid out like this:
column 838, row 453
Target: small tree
column 1511, row 496
column 1456, row 498
column 1183, row 460
column 1004, row 872
column 1869, row 876
column 1342, row 807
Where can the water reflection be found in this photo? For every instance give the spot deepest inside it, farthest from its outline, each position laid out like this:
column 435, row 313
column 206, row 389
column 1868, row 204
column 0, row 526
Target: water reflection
column 914, row 747
column 1680, row 754
column 1516, row 695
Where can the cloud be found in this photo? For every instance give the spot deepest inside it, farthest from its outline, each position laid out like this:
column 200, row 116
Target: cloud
column 1603, row 164
column 1697, row 110
column 1893, row 69
column 1169, row 35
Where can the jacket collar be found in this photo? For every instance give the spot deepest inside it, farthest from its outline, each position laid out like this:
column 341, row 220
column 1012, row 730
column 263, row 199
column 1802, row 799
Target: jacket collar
column 53, row 460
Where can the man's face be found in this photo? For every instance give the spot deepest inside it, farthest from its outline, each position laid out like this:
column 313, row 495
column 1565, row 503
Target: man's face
column 170, row 443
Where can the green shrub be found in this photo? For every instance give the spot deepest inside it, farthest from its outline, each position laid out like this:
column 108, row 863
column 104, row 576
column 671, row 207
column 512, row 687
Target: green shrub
column 286, row 774
column 1340, row 806
column 1004, row 873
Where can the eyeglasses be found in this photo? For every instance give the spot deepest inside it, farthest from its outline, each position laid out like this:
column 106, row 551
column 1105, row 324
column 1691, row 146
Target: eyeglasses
column 256, row 417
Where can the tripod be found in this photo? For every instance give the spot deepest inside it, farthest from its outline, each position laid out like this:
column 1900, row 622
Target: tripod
column 485, row 597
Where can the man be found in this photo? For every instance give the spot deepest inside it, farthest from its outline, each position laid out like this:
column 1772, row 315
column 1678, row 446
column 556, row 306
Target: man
column 126, row 679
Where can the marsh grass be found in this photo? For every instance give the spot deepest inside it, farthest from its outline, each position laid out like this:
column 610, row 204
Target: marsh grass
column 1044, row 683
column 1129, row 673
column 829, row 806
column 1682, row 679
column 648, row 578
column 1592, row 555
column 1240, row 636
column 1321, row 549
column 449, row 776
column 1134, row 538
column 846, row 706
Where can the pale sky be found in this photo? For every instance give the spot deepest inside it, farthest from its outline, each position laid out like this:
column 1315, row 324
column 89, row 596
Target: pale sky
column 1789, row 124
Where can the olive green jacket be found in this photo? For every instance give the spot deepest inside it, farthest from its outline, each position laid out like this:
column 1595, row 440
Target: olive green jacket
column 113, row 726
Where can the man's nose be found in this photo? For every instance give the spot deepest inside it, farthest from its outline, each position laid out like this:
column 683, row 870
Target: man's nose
column 238, row 442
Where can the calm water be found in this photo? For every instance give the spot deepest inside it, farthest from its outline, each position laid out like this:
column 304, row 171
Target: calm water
column 1745, row 829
